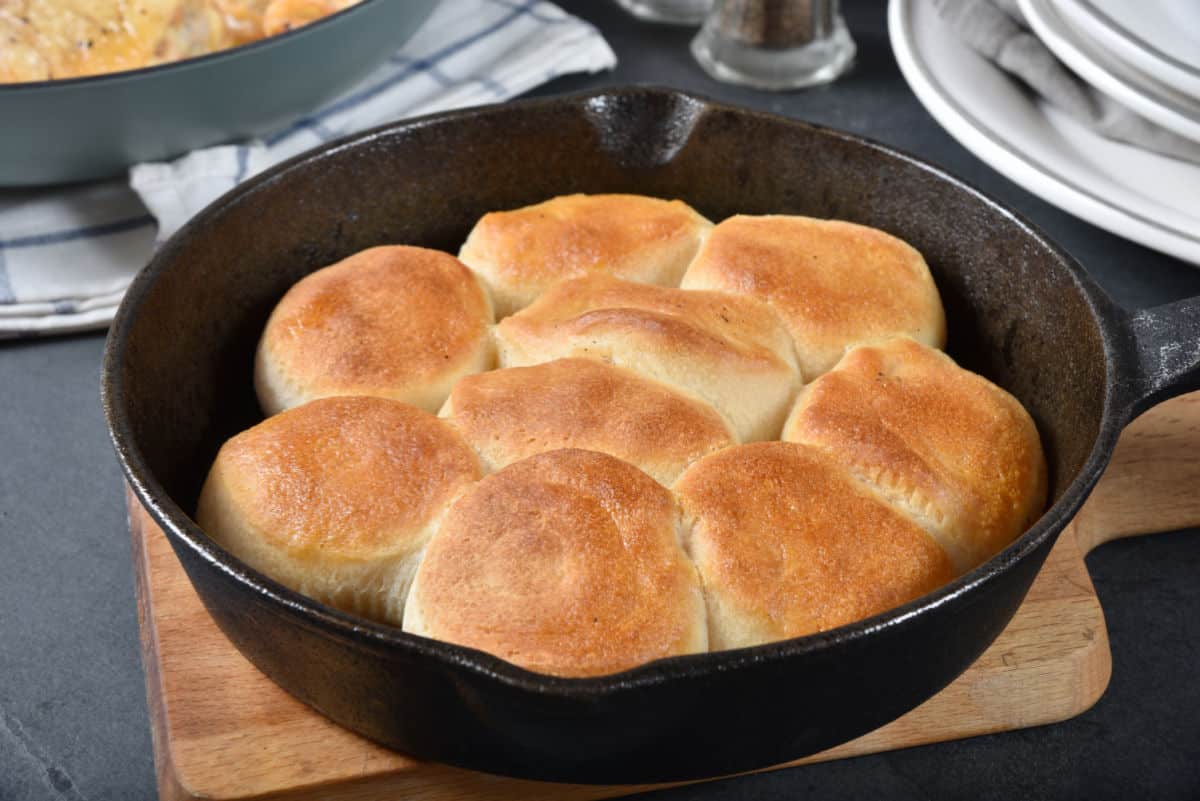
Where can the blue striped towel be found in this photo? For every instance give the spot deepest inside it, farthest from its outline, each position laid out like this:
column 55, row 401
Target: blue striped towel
column 66, row 255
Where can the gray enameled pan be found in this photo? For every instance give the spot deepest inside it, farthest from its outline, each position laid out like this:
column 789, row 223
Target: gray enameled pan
column 177, row 381
column 54, row 132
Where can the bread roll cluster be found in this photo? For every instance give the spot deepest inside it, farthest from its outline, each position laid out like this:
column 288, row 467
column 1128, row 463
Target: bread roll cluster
column 678, row 437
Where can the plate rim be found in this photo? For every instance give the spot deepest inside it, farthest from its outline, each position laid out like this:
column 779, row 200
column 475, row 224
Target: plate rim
column 996, row 151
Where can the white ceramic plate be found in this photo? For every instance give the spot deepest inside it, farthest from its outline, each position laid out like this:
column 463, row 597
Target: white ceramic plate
column 1172, row 110
column 1162, row 39
column 1148, row 198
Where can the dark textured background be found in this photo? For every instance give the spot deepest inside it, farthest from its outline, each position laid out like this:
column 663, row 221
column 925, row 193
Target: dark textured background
column 73, row 721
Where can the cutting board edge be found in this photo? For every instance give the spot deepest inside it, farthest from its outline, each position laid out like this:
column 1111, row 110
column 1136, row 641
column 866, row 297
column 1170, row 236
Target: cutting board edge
column 170, row 783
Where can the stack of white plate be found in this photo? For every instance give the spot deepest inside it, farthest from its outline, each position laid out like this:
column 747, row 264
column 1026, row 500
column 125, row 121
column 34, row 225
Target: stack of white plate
column 1145, row 55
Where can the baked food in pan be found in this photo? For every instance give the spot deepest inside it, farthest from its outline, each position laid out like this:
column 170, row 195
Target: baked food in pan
column 43, row 40
column 509, row 414
column 520, row 253
column 568, row 562
column 399, row 322
column 833, row 283
column 629, row 509
column 729, row 350
column 337, row 497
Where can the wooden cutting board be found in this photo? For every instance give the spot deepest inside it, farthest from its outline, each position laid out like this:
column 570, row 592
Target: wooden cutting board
column 222, row 730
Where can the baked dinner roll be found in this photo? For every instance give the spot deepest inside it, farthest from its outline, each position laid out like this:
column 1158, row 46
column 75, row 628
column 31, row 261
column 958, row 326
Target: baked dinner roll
column 788, row 543
column 834, row 284
column 507, row 415
column 398, row 322
column 945, row 446
column 567, row 563
column 520, row 253
column 336, row 498
column 728, row 350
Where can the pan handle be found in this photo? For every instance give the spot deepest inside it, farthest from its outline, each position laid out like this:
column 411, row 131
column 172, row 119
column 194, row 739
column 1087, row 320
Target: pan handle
column 1164, row 348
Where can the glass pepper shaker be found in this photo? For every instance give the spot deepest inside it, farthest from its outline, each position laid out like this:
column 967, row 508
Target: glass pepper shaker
column 774, row 44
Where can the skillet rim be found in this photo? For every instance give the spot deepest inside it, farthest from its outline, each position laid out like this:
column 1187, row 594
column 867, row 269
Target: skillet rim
column 121, row 76
column 365, row 634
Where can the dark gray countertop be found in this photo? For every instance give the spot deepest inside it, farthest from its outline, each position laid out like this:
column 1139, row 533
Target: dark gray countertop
column 73, row 722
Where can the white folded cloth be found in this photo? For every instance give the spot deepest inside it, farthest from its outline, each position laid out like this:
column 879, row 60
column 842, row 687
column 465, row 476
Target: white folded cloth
column 997, row 30
column 67, row 254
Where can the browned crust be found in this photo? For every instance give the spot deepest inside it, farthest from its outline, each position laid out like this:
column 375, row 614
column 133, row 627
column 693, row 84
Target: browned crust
column 566, row 563
column 522, row 252
column 51, row 39
column 281, row 16
column 705, row 325
column 788, row 544
column 510, row 414
column 946, row 445
column 395, row 321
column 338, row 479
column 833, row 283
column 56, row 39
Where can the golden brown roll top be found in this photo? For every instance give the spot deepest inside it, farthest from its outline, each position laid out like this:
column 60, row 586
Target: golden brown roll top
column 507, row 415
column 728, row 350
column 942, row 444
column 398, row 322
column 788, row 543
column 520, row 253
column 835, row 284
column 568, row 563
column 336, row 498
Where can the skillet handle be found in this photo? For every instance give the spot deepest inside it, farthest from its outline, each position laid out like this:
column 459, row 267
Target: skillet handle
column 1163, row 355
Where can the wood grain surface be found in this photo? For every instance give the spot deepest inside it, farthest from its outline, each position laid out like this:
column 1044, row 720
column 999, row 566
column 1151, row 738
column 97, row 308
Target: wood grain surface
column 222, row 730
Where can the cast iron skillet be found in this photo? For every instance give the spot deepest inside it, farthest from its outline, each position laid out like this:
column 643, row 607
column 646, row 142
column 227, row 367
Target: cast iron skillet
column 84, row 128
column 177, row 382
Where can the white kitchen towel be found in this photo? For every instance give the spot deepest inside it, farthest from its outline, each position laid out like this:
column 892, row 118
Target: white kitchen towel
column 67, row 255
